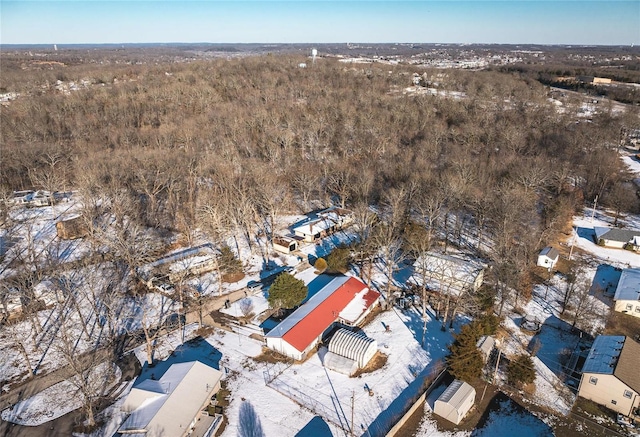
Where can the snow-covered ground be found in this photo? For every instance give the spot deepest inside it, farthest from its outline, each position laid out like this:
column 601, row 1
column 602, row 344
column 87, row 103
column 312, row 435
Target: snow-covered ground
column 508, row 420
column 288, row 399
column 583, row 238
column 323, row 392
column 61, row 398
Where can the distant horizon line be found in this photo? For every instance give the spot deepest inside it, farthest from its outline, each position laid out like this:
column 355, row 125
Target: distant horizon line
column 310, row 43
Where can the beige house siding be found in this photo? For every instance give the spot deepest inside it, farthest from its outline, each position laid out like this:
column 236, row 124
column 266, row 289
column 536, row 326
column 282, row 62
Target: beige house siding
column 631, row 307
column 608, row 388
column 613, row 243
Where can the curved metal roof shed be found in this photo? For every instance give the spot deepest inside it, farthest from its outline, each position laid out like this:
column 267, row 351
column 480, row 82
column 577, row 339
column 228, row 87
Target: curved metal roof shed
column 455, row 402
column 349, row 351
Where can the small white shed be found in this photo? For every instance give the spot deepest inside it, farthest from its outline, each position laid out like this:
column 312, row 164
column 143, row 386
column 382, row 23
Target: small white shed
column 284, row 244
column 548, row 257
column 349, row 351
column 486, row 344
column 455, row 402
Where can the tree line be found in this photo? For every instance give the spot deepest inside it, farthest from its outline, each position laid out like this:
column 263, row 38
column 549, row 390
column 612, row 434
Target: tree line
column 227, row 146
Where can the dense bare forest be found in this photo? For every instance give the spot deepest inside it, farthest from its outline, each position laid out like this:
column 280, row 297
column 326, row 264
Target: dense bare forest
column 230, row 144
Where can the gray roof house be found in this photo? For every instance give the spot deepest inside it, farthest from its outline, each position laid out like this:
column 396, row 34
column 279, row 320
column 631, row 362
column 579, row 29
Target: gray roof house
column 618, row 238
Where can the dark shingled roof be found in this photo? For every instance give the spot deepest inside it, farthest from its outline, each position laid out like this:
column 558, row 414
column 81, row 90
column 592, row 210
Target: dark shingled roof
column 550, row 252
column 627, row 369
column 614, row 234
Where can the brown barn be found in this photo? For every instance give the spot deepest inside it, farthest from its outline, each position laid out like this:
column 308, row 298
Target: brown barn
column 72, row 228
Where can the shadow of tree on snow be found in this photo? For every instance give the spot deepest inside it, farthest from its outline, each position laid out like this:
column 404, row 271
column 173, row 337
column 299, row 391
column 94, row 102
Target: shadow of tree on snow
column 248, row 422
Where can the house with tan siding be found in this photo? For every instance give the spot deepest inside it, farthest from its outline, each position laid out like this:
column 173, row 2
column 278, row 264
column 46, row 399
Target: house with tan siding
column 610, row 375
column 627, row 296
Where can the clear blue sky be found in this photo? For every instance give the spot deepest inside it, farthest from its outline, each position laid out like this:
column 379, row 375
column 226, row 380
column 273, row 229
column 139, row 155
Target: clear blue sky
column 449, row 21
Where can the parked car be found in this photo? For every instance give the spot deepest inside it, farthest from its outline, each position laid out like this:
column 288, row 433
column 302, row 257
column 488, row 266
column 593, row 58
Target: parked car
column 254, row 285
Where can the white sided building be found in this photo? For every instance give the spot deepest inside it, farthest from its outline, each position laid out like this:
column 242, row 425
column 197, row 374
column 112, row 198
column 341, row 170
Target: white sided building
column 324, row 224
column 449, row 274
column 548, row 257
column 455, row 402
column 617, row 238
column 627, row 296
column 344, row 299
column 171, row 405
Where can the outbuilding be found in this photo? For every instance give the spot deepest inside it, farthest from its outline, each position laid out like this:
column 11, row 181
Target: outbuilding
column 486, row 343
column 548, row 257
column 455, row 402
column 349, row 351
column 284, row 244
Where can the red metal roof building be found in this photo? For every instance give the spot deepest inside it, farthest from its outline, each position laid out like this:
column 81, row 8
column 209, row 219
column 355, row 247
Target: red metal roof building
column 345, row 299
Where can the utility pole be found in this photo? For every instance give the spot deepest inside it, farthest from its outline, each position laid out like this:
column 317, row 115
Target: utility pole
column 573, row 241
column 353, row 394
column 495, row 372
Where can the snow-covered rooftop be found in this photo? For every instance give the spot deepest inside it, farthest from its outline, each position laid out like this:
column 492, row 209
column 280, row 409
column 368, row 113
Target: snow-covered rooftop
column 168, row 405
column 182, row 259
column 314, row 227
column 604, row 354
column 449, row 274
column 629, row 285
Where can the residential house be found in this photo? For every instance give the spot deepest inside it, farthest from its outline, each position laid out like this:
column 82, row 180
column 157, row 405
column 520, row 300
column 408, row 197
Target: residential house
column 449, row 274
column 31, row 198
column 171, row 405
column 323, row 224
column 342, row 300
column 548, row 257
column 610, row 375
column 179, row 265
column 618, row 238
column 627, row 296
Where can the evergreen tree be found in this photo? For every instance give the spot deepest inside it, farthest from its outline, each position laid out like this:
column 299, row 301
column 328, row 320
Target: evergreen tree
column 521, row 371
column 286, row 292
column 228, row 261
column 338, row 260
column 465, row 361
column 487, row 324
